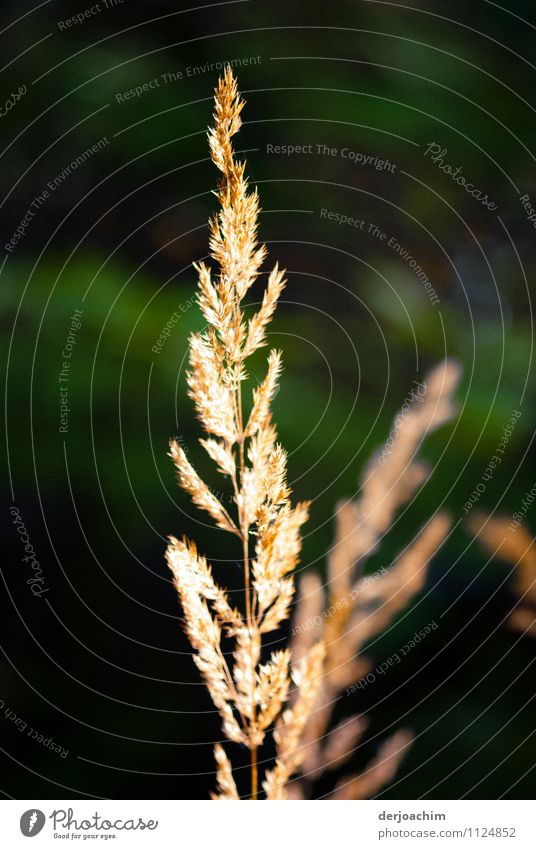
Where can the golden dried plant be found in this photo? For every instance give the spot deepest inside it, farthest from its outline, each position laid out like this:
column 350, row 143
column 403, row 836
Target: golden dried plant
column 294, row 691
column 512, row 543
column 359, row 607
column 251, row 693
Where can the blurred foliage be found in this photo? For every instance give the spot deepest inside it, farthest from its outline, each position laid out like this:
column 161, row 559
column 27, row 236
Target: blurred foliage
column 117, row 240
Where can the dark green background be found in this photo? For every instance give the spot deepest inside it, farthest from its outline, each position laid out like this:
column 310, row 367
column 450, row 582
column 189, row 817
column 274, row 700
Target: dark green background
column 101, row 664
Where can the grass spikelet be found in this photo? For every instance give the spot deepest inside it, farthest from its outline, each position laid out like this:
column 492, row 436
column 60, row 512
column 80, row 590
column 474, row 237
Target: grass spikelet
column 226, row 785
column 288, row 733
column 381, row 770
column 358, row 608
column 201, row 495
column 249, row 694
column 511, row 542
column 290, row 693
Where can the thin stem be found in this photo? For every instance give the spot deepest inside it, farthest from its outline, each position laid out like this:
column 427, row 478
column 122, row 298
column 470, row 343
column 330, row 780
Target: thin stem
column 254, row 775
column 245, row 555
column 244, row 530
column 254, row 772
column 247, row 589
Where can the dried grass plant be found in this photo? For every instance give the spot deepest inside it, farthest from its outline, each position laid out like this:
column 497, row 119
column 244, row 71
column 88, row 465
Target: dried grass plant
column 292, row 693
column 357, row 608
column 249, row 694
column 513, row 544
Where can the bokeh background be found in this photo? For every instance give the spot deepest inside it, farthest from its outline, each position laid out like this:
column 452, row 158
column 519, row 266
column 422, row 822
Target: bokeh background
column 99, row 662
